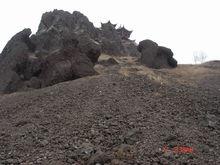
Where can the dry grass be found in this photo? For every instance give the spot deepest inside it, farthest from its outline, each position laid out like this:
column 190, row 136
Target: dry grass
column 128, row 60
column 183, row 74
column 103, row 57
column 190, row 74
column 128, row 66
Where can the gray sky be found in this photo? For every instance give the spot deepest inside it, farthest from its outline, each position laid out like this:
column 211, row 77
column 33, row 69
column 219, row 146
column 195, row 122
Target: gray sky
column 184, row 26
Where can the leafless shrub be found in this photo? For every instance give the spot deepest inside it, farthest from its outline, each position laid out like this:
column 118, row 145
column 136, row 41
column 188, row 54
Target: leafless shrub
column 199, row 57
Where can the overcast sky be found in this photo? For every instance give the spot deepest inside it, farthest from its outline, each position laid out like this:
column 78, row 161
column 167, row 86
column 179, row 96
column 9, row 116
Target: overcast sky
column 184, row 26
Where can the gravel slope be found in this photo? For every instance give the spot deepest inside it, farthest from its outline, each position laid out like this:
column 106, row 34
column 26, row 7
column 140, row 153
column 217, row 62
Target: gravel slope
column 113, row 119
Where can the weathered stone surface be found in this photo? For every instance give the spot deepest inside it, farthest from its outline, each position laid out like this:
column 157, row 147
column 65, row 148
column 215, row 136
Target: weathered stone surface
column 130, row 48
column 124, row 33
column 155, row 56
column 163, row 51
column 116, row 41
column 111, row 41
column 64, row 48
column 65, row 64
column 21, row 37
column 64, row 22
column 90, row 47
column 13, row 60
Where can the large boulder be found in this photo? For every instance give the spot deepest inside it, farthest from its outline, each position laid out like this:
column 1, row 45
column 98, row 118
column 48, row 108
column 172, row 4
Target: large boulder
column 59, row 25
column 168, row 55
column 65, row 22
column 65, row 64
column 13, row 60
column 18, row 39
column 155, row 56
column 90, row 47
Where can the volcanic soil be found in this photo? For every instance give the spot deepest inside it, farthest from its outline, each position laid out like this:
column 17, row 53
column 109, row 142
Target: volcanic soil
column 128, row 114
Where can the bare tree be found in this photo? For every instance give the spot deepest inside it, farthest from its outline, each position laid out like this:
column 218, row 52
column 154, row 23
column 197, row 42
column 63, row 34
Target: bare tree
column 199, row 57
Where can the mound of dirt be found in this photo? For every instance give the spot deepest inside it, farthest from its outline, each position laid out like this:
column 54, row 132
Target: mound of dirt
column 212, row 64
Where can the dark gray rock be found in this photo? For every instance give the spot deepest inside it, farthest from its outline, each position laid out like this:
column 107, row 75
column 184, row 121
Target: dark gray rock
column 148, row 51
column 110, row 40
column 21, row 37
column 130, row 48
column 65, row 64
column 116, row 41
column 167, row 53
column 90, row 47
column 13, row 61
column 64, row 22
column 155, row 56
column 124, row 33
column 64, row 48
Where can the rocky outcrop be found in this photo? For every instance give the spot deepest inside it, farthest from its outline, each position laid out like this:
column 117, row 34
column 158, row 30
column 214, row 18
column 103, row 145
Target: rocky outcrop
column 64, row 48
column 12, row 61
column 90, row 47
column 123, row 33
column 21, row 37
column 155, row 56
column 65, row 22
column 65, row 64
column 130, row 48
column 110, row 40
column 116, row 41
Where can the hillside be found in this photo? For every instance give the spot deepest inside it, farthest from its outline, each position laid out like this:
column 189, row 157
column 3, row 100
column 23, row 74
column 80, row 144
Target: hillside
column 129, row 114
column 76, row 94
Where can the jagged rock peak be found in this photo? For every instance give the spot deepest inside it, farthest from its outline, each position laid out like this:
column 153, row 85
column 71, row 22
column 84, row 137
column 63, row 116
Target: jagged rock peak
column 124, row 33
column 53, row 18
column 63, row 21
column 22, row 36
column 108, row 25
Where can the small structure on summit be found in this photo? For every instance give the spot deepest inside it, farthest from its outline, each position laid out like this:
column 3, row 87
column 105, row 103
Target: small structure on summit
column 124, row 33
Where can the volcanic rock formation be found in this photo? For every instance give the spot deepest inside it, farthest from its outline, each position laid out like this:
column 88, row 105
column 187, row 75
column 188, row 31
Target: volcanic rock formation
column 116, row 41
column 66, row 47
column 155, row 56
